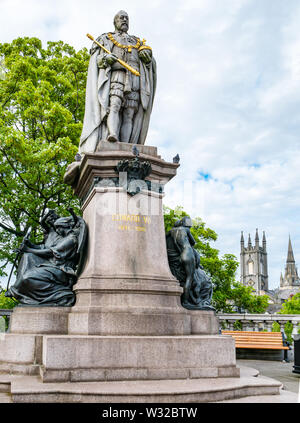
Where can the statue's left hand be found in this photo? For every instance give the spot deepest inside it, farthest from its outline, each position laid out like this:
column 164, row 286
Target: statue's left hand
column 145, row 56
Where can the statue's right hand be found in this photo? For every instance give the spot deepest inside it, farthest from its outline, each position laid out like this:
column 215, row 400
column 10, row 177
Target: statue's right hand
column 110, row 59
column 8, row 294
column 24, row 248
column 106, row 60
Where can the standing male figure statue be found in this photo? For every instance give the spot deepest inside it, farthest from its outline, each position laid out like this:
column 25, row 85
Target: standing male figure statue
column 118, row 103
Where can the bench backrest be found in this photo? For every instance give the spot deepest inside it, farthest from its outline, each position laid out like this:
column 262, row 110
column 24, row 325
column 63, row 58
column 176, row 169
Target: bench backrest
column 262, row 340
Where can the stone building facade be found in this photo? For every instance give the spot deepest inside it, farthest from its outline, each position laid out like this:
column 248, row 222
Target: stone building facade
column 254, row 264
column 254, row 272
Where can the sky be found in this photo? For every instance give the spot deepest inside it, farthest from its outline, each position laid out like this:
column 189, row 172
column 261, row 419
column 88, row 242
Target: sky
column 227, row 101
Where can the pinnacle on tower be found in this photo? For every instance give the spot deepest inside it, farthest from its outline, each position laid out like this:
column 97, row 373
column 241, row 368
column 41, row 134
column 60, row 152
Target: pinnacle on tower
column 264, row 241
column 242, row 238
column 281, row 279
column 256, row 238
column 249, row 241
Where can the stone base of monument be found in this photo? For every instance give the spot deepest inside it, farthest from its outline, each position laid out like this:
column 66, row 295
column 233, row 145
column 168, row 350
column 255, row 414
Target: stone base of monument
column 83, row 358
column 41, row 320
column 141, row 369
column 127, row 338
column 199, row 367
column 29, row 389
column 250, row 387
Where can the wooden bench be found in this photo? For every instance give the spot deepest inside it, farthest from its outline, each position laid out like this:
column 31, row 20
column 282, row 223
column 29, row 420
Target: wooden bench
column 258, row 340
column 259, row 345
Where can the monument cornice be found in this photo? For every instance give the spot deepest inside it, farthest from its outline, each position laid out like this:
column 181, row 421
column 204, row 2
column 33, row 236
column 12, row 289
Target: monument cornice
column 102, row 164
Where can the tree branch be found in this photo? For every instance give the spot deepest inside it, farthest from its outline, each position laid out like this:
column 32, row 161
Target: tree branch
column 10, row 94
column 19, row 175
column 11, row 231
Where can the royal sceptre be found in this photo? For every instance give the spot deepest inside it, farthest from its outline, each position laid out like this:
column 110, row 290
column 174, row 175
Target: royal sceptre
column 134, row 71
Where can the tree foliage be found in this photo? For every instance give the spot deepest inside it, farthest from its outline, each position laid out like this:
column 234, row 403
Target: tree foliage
column 291, row 305
column 243, row 298
column 42, row 105
column 6, row 303
column 228, row 295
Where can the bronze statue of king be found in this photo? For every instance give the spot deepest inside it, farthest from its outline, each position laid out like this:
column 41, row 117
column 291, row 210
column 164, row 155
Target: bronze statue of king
column 118, row 102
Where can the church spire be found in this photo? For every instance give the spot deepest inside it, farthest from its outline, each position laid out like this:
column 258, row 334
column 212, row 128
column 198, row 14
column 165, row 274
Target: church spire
column 264, row 241
column 291, row 277
column 290, row 255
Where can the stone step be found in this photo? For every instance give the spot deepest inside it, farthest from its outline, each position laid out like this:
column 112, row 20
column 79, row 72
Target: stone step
column 5, row 398
column 32, row 389
column 249, row 388
column 284, row 397
column 15, row 368
column 5, row 380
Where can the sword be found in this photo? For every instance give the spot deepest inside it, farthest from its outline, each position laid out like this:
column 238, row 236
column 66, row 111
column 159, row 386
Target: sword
column 132, row 70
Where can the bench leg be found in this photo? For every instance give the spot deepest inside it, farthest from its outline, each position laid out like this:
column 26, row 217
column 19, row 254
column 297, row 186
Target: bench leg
column 285, row 356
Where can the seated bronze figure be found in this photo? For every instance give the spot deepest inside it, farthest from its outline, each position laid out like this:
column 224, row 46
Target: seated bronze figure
column 184, row 262
column 47, row 272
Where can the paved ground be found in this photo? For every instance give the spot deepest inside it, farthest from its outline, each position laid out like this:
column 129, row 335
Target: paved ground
column 278, row 370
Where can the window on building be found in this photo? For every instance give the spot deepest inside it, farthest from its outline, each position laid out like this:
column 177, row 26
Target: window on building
column 250, row 267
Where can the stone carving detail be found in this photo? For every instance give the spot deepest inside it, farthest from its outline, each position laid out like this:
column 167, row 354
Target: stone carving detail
column 184, row 263
column 48, row 271
column 73, row 171
column 133, row 188
column 176, row 159
column 134, row 173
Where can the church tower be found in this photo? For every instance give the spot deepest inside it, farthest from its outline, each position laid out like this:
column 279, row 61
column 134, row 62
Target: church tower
column 253, row 264
column 291, row 278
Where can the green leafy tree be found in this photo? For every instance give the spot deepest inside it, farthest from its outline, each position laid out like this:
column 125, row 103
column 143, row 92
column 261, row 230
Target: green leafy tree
column 228, row 294
column 243, row 299
column 291, row 305
column 6, row 303
column 288, row 329
column 42, row 92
